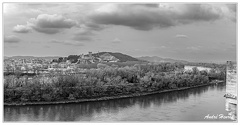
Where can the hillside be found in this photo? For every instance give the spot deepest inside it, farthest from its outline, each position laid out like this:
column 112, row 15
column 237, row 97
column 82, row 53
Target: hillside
column 120, row 56
column 159, row 59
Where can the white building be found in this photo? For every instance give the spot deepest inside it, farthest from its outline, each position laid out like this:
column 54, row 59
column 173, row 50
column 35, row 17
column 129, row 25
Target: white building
column 200, row 68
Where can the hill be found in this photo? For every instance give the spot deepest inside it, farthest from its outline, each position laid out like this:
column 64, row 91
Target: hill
column 120, row 56
column 159, row 59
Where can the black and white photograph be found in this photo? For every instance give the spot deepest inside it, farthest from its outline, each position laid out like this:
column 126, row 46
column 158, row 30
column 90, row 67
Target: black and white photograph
column 119, row 62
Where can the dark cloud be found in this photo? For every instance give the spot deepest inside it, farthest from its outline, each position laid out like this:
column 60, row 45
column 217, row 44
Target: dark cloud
column 198, row 12
column 93, row 26
column 21, row 29
column 140, row 20
column 11, row 39
column 147, row 17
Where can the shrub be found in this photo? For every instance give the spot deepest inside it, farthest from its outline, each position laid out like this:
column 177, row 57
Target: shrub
column 46, row 97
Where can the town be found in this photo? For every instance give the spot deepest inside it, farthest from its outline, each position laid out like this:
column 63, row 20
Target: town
column 42, row 65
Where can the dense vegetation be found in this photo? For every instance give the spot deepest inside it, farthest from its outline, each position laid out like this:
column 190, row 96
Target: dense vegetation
column 72, row 58
column 103, row 82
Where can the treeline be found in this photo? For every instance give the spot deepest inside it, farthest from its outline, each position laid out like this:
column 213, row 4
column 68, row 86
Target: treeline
column 72, row 58
column 105, row 82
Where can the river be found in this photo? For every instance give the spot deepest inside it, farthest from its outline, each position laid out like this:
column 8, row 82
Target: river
column 196, row 104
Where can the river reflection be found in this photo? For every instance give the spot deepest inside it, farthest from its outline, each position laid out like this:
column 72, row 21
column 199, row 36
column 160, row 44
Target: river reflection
column 186, row 105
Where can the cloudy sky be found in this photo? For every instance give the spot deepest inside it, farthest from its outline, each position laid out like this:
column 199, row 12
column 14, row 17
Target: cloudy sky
column 193, row 32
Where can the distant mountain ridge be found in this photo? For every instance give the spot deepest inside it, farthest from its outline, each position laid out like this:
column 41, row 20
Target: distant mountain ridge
column 159, row 59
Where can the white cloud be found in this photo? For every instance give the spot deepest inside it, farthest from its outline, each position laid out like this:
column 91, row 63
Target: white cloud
column 48, row 24
column 52, row 21
column 21, row 29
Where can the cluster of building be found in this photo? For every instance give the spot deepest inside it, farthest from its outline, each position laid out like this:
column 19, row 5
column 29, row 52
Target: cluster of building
column 88, row 59
column 45, row 65
column 201, row 68
column 26, row 65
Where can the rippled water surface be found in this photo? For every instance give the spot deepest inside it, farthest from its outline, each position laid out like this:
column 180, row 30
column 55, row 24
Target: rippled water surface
column 186, row 105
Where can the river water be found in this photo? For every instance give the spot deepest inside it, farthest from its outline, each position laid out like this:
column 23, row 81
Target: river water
column 197, row 104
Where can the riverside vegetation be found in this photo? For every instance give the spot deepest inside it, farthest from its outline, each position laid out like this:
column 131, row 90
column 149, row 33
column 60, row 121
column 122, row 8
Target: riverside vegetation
column 109, row 81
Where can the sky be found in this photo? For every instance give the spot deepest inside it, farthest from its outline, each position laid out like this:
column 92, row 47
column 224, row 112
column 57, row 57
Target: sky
column 194, row 32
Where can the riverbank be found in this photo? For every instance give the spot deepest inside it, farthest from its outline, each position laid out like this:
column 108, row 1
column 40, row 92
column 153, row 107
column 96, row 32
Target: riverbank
column 103, row 98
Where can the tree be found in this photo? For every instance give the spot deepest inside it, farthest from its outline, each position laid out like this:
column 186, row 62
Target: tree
column 204, row 72
column 18, row 72
column 8, row 68
column 60, row 59
column 26, row 68
column 34, row 69
column 102, row 66
column 195, row 70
